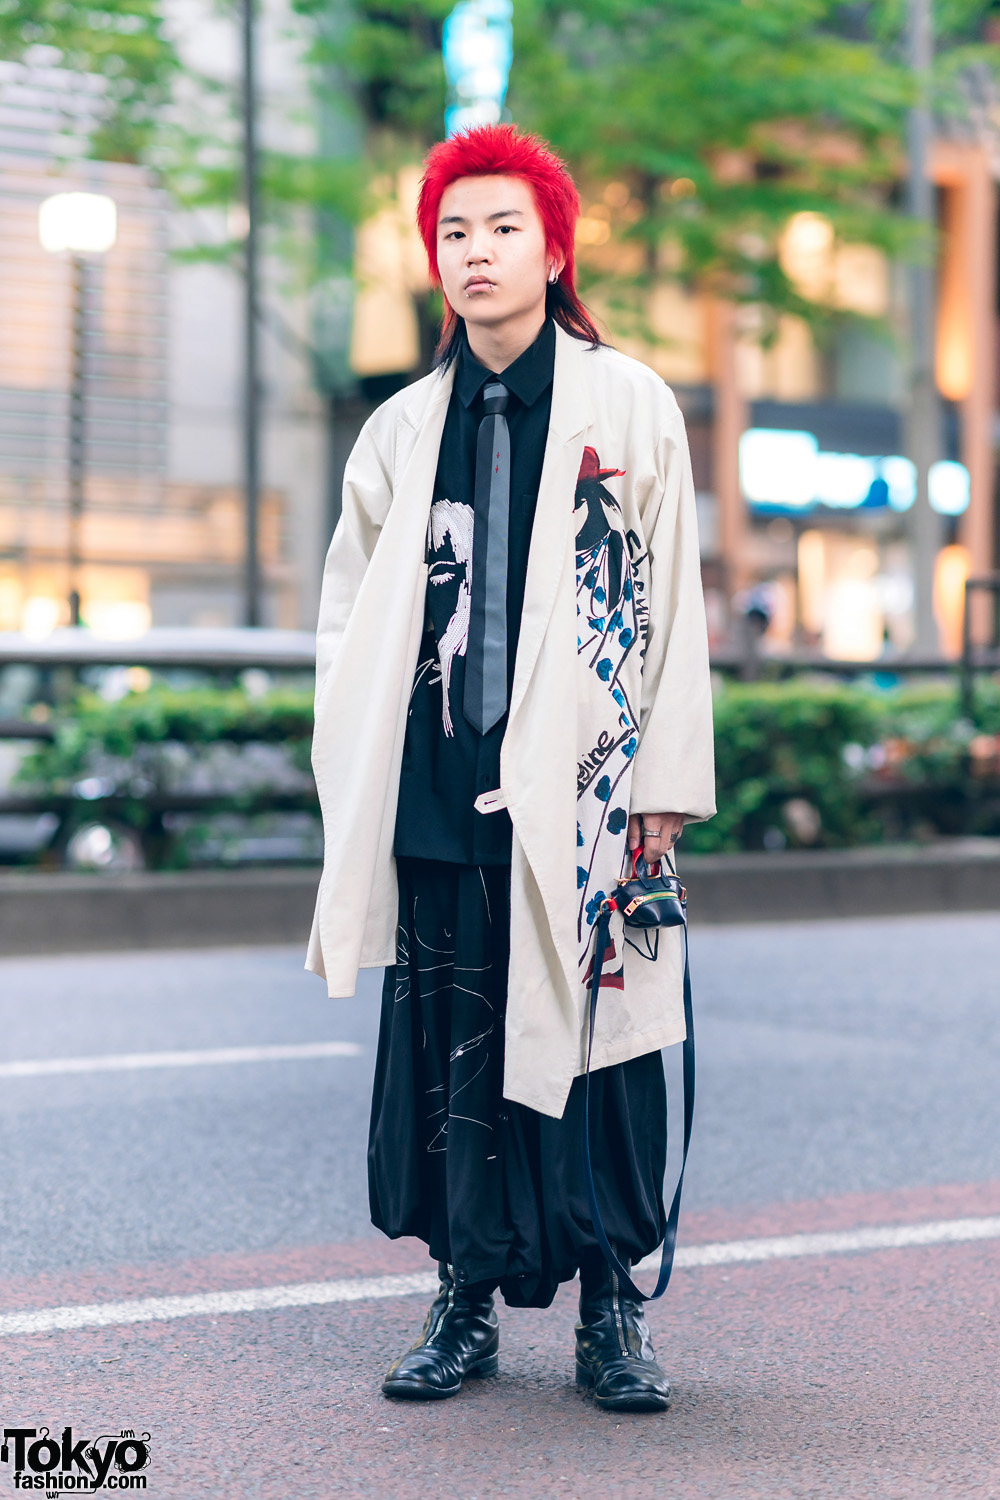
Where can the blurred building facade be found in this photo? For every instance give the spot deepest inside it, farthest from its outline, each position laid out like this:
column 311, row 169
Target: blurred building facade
column 799, row 447
column 163, row 533
column 163, row 537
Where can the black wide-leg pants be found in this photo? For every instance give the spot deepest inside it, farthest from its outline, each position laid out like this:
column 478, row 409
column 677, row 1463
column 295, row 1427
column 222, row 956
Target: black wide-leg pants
column 493, row 1188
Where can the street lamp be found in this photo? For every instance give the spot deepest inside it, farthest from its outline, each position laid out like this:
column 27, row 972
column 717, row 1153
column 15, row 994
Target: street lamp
column 84, row 225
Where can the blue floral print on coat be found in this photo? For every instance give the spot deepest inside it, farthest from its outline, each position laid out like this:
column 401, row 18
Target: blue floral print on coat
column 612, row 572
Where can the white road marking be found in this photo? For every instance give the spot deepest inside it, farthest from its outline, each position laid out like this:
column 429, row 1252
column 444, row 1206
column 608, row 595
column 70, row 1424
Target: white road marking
column 374, row 1288
column 125, row 1062
column 837, row 1242
column 248, row 1299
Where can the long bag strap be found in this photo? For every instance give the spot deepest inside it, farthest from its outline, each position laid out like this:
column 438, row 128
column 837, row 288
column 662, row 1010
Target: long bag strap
column 670, row 1233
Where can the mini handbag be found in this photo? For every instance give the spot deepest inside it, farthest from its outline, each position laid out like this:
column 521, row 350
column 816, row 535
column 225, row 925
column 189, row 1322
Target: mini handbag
column 647, row 898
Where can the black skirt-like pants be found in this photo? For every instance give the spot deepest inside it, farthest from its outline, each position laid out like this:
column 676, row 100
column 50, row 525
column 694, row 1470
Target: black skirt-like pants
column 495, row 1189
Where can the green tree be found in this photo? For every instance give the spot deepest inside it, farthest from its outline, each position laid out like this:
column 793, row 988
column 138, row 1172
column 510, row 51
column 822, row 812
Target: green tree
column 388, row 55
column 725, row 117
column 721, row 117
column 121, row 42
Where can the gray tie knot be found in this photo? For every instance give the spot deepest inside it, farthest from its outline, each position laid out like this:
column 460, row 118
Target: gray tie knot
column 495, row 398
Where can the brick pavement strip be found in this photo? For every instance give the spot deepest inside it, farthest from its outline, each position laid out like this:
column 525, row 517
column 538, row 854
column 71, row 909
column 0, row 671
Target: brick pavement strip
column 871, row 1376
column 854, row 1378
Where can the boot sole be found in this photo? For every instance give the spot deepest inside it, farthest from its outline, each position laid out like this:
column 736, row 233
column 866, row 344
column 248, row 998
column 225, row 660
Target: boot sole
column 413, row 1390
column 649, row 1401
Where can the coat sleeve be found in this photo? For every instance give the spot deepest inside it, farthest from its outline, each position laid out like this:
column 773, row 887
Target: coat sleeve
column 675, row 758
column 366, row 499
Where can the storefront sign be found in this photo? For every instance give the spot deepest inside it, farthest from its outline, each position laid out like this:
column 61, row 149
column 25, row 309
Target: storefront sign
column 785, row 470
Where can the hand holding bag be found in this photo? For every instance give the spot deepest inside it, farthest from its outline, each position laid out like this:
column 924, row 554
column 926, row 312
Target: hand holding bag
column 647, row 898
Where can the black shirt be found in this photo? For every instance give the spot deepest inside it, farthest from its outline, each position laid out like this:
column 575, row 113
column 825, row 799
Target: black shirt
column 447, row 763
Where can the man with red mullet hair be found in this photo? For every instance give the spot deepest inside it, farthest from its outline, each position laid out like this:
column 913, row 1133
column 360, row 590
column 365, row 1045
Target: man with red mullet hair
column 512, row 692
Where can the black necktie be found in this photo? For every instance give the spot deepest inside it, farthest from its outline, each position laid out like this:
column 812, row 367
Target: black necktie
column 485, row 700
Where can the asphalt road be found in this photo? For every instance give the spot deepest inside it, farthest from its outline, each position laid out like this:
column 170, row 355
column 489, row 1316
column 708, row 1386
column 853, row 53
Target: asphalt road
column 847, row 1077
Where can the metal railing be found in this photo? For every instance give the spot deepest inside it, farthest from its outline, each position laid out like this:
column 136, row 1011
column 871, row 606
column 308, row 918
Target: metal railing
column 213, row 650
column 752, row 663
column 222, row 653
column 227, row 652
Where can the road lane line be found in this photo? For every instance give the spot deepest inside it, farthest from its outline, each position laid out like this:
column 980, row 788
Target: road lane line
column 374, row 1288
column 837, row 1242
column 125, row 1062
column 247, row 1299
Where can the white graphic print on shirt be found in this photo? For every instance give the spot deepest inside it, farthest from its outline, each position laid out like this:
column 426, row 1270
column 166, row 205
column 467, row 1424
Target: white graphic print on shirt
column 450, row 528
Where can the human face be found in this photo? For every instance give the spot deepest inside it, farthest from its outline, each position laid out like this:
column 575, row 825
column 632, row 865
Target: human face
column 492, row 257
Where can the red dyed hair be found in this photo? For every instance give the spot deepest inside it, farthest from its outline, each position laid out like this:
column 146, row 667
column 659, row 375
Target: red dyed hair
column 505, row 151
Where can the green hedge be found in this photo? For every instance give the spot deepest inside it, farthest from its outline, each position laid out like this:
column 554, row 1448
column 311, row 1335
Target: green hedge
column 179, row 769
column 831, row 764
column 803, row 762
column 775, row 743
column 201, row 716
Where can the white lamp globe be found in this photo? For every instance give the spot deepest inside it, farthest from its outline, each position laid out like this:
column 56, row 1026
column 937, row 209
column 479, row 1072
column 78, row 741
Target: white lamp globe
column 84, row 223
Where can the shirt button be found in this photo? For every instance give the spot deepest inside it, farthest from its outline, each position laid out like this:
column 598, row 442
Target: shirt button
column 502, row 1117
column 462, row 1277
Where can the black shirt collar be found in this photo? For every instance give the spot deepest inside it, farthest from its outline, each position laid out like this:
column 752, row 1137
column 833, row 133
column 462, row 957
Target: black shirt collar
column 527, row 378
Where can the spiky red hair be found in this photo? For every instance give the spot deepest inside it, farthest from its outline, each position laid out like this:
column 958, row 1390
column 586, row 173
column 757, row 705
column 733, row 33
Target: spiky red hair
column 505, row 151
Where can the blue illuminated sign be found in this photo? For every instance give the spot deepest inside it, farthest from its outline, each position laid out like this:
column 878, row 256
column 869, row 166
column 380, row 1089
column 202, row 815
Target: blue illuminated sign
column 785, row 470
column 478, row 46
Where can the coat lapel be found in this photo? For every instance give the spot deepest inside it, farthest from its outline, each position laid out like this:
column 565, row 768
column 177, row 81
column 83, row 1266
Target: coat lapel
column 424, row 413
column 569, row 419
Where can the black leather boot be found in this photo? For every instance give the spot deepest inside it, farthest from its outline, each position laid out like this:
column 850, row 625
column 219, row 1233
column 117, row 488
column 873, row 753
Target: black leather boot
column 460, row 1339
column 614, row 1352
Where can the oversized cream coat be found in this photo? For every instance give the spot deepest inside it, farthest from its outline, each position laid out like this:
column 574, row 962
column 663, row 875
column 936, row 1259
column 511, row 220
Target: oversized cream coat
column 610, row 709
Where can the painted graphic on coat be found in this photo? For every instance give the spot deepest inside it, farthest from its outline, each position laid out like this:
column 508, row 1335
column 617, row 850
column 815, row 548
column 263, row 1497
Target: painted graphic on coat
column 611, row 639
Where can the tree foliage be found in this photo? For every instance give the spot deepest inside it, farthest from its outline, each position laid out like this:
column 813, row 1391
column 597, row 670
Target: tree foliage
column 725, row 117
column 715, row 119
column 122, row 42
column 388, row 54
column 805, row 761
